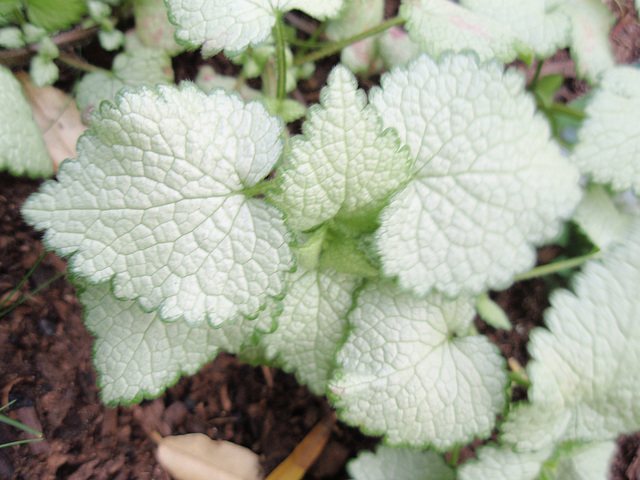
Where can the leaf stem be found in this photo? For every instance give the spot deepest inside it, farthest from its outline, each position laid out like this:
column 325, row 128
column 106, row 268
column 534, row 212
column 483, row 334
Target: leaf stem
column 556, row 267
column 261, row 188
column 82, row 66
column 536, row 76
column 564, row 109
column 281, row 60
column 337, row 46
column 455, row 456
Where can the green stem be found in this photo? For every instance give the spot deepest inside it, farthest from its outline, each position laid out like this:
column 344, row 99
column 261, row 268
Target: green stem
column 24, row 279
column 34, row 292
column 337, row 46
column 20, row 442
column 260, row 189
column 563, row 109
column 80, row 65
column 281, row 61
column 536, row 76
column 312, row 41
column 556, row 267
column 518, row 378
column 455, row 456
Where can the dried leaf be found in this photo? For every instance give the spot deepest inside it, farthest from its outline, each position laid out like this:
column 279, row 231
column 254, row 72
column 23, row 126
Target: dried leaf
column 57, row 116
column 197, row 457
column 296, row 465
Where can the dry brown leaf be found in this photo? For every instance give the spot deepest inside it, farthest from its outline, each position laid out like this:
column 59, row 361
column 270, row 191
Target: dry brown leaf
column 296, row 465
column 57, row 116
column 197, row 457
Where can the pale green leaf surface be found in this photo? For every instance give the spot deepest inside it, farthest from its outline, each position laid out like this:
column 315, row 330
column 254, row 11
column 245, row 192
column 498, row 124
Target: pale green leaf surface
column 492, row 313
column 590, row 462
column 344, row 164
column 111, row 39
column 404, row 374
column 312, row 325
column 43, row 71
column 22, row 149
column 540, row 23
column 533, row 428
column 153, row 26
column 137, row 355
column 591, row 22
column 488, row 182
column 233, row 26
column 441, row 25
column 55, row 14
column 355, row 17
column 587, row 360
column 155, row 203
column 11, row 37
column 502, row 463
column 399, row 463
column 396, row 48
column 608, row 145
column 143, row 66
column 600, row 218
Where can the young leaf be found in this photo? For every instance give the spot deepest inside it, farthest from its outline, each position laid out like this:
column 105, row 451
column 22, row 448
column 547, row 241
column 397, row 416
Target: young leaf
column 583, row 362
column 156, row 204
column 22, row 149
column 541, row 24
column 609, row 140
column 408, row 370
column 142, row 66
column 153, row 27
column 600, row 219
column 399, row 463
column 312, row 325
column 487, row 183
column 343, row 165
column 441, row 25
column 233, row 26
column 137, row 355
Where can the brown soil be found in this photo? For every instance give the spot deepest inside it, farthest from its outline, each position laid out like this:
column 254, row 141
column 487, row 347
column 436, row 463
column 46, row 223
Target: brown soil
column 45, row 362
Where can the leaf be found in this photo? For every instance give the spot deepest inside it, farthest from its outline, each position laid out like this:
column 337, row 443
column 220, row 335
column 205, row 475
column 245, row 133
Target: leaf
column 396, row 48
column 159, row 204
column 137, row 355
column 57, row 116
column 591, row 22
column 55, row 14
column 343, row 165
column 609, row 140
column 142, row 66
column 488, row 183
column 541, row 24
column 394, row 463
column 600, row 219
column 533, row 427
column 585, row 462
column 11, row 37
column 312, row 325
column 408, row 370
column 234, row 26
column 502, row 463
column 492, row 313
column 440, row 25
column 584, row 362
column 22, row 149
column 195, row 456
column 153, row 27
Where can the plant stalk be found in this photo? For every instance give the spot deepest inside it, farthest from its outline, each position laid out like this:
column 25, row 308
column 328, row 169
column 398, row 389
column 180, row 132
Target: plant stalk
column 281, row 60
column 556, row 267
column 455, row 456
column 80, row 65
column 337, row 46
